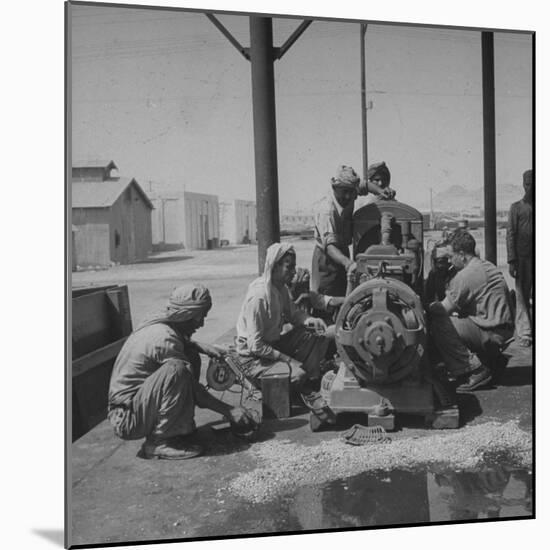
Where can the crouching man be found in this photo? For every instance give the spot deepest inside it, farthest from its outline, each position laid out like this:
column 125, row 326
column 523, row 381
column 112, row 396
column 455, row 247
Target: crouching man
column 267, row 307
column 471, row 343
column 155, row 380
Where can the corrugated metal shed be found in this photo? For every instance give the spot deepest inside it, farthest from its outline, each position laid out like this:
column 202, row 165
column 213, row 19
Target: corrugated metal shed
column 185, row 218
column 102, row 194
column 238, row 221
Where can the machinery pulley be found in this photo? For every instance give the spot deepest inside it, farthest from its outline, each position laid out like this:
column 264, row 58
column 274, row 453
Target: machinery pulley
column 380, row 331
column 219, row 375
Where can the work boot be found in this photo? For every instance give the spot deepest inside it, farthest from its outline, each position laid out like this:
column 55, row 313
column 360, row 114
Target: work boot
column 478, row 379
column 174, row 448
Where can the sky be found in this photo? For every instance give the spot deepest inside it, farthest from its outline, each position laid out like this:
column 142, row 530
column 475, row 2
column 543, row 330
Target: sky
column 168, row 98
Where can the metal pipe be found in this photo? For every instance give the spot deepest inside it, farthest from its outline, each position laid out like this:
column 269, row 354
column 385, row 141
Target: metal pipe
column 228, row 35
column 265, row 135
column 293, row 37
column 489, row 148
column 364, row 101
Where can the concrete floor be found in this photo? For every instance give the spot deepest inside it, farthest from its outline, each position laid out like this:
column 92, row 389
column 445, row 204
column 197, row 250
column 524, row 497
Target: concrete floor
column 118, row 497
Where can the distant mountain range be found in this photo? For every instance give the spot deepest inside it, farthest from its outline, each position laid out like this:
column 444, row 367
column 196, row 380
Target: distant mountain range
column 459, row 198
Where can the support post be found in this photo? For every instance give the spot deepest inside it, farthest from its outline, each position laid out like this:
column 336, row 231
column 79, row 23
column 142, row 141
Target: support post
column 364, row 101
column 489, row 147
column 265, row 136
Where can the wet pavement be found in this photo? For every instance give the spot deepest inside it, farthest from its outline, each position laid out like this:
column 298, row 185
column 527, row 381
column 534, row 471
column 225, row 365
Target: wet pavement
column 390, row 498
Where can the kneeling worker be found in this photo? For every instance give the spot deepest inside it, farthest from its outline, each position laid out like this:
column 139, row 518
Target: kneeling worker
column 478, row 293
column 155, row 380
column 267, row 307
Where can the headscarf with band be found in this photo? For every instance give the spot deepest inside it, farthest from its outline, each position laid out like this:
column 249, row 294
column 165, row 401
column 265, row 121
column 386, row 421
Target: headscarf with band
column 274, row 255
column 185, row 303
column 381, row 170
column 345, row 177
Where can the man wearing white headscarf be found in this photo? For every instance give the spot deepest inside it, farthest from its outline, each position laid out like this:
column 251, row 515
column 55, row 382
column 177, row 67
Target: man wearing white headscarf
column 155, row 386
column 267, row 307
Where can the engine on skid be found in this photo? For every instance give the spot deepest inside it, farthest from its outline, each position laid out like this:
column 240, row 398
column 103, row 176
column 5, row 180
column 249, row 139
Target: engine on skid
column 381, row 328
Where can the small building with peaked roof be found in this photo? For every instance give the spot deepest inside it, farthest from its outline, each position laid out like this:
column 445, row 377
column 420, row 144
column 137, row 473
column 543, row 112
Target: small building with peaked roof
column 93, row 170
column 112, row 217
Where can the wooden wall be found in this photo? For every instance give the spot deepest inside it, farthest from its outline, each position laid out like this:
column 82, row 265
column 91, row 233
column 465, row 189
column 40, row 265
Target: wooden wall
column 131, row 220
column 91, row 241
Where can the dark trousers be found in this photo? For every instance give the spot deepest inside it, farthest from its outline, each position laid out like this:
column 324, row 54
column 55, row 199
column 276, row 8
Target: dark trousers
column 457, row 338
column 327, row 276
column 524, row 286
column 305, row 347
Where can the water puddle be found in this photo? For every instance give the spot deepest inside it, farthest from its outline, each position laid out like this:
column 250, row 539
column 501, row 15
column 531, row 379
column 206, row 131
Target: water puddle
column 387, row 498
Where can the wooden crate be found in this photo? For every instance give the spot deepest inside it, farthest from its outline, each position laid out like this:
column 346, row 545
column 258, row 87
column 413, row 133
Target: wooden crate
column 101, row 323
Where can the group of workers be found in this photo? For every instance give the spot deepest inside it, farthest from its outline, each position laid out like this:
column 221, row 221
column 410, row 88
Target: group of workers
column 155, row 383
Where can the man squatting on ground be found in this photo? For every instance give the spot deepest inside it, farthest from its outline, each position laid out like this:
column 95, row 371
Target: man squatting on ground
column 333, row 226
column 155, row 380
column 519, row 241
column 267, row 308
column 479, row 295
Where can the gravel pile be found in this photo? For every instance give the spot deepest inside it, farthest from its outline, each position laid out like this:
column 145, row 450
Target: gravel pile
column 285, row 466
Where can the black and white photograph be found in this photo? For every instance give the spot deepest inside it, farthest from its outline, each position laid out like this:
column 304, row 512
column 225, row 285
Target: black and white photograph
column 300, row 274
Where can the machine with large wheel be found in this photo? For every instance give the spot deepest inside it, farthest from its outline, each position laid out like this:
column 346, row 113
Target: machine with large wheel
column 381, row 327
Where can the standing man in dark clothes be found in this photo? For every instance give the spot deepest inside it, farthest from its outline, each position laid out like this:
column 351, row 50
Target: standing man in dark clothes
column 519, row 241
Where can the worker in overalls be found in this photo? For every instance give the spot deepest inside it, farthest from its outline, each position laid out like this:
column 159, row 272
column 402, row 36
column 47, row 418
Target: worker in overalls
column 155, row 385
column 519, row 240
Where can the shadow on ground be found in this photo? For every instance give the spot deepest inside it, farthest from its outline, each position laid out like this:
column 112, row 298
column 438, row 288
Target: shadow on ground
column 516, row 376
column 56, row 536
column 469, row 407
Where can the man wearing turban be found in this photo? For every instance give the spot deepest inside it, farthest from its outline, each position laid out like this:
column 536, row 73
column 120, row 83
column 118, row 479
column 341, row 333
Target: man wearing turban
column 377, row 184
column 333, row 226
column 155, row 386
column 267, row 308
column 519, row 241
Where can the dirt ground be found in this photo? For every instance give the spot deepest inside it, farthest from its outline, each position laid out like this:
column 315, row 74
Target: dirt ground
column 226, row 272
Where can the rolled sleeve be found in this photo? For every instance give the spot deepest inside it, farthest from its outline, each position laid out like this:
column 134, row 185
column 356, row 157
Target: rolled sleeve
column 319, row 301
column 327, row 230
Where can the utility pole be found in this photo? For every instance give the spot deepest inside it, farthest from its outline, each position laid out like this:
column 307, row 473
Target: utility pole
column 363, row 32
